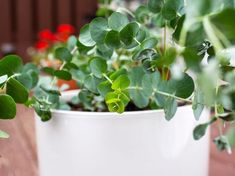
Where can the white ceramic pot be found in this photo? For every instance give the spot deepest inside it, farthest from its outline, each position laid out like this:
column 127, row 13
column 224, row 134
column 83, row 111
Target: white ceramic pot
column 140, row 143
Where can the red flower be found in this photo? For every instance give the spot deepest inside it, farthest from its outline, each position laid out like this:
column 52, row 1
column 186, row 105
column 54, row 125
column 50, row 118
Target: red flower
column 46, row 35
column 66, row 29
column 41, row 45
column 62, row 37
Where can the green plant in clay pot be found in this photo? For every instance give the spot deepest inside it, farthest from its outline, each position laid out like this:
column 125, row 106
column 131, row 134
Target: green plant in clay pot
column 165, row 54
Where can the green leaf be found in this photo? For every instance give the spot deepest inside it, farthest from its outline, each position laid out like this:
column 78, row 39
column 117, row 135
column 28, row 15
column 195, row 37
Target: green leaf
column 50, row 91
column 116, row 101
column 155, row 6
column 199, row 131
column 222, row 22
column 116, row 106
column 104, row 87
column 91, row 83
column 17, row 91
column 48, row 70
column 98, row 29
column 117, row 21
column 7, row 107
column 182, row 87
column 63, row 54
column 129, row 32
column 231, row 136
column 192, row 59
column 119, row 72
column 142, row 14
column 63, row 74
column 4, row 135
column 85, row 36
column 98, row 67
column 198, row 104
column 104, row 51
column 170, row 108
column 136, row 91
column 150, row 83
column 202, row 8
column 222, row 143
column 3, row 79
column 149, row 43
column 9, row 65
column 72, row 42
column 45, row 115
column 29, row 76
column 121, row 83
column 112, row 39
column 172, row 8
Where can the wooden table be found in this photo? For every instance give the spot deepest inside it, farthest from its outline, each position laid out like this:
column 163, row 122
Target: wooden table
column 18, row 155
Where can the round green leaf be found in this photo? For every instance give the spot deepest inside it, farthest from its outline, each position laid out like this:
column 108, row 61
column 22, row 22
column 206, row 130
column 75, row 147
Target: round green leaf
column 63, row 74
column 142, row 14
column 7, row 107
column 129, row 32
column 9, row 65
column 72, row 42
column 199, row 131
column 122, row 82
column 91, row 83
column 136, row 91
column 170, row 107
column 182, row 87
column 85, row 36
column 149, row 43
column 63, row 54
column 155, row 6
column 17, row 91
column 117, row 21
column 112, row 39
column 98, row 29
column 98, row 66
column 104, row 87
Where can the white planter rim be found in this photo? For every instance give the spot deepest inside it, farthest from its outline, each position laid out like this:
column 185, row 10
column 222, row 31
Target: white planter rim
column 71, row 114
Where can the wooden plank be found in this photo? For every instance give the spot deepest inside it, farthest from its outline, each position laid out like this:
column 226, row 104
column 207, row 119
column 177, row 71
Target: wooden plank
column 64, row 11
column 24, row 26
column 5, row 22
column 83, row 14
column 44, row 14
column 24, row 20
column 18, row 153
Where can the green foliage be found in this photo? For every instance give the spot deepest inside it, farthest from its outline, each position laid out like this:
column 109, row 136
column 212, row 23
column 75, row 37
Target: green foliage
column 85, row 36
column 127, row 61
column 9, row 65
column 7, row 107
column 98, row 29
column 17, row 91
column 63, row 74
column 63, row 54
column 117, row 21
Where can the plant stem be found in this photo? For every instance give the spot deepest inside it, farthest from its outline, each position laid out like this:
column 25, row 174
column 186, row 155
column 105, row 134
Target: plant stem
column 106, row 77
column 164, row 39
column 211, row 34
column 173, row 96
column 162, row 93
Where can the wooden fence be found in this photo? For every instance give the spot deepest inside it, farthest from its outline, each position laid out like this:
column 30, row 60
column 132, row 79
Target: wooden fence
column 20, row 20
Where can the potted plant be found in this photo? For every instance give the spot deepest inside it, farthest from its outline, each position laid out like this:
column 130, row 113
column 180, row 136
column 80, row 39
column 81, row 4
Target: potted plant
column 153, row 70
column 42, row 53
